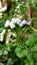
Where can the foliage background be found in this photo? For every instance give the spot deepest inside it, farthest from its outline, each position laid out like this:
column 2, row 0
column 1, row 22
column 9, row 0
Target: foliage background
column 24, row 50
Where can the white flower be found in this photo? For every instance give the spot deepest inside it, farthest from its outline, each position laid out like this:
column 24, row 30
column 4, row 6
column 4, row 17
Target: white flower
column 12, row 26
column 7, row 23
column 29, row 23
column 23, row 23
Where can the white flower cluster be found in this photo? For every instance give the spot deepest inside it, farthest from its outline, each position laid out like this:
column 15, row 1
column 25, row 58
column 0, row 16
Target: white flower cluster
column 17, row 21
column 12, row 22
column 12, row 26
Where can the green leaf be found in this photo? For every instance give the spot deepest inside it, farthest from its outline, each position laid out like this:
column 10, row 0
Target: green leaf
column 1, row 64
column 5, row 52
column 29, row 62
column 21, row 52
column 34, row 48
column 32, row 41
column 1, row 52
column 9, row 62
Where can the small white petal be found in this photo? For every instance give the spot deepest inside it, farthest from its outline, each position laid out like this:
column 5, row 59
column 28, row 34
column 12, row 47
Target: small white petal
column 13, row 20
column 12, row 26
column 16, row 20
column 14, row 34
column 23, row 23
column 22, row 2
column 3, row 31
column 7, row 23
column 7, row 42
column 29, row 23
column 1, row 37
column 9, row 33
column 18, row 6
